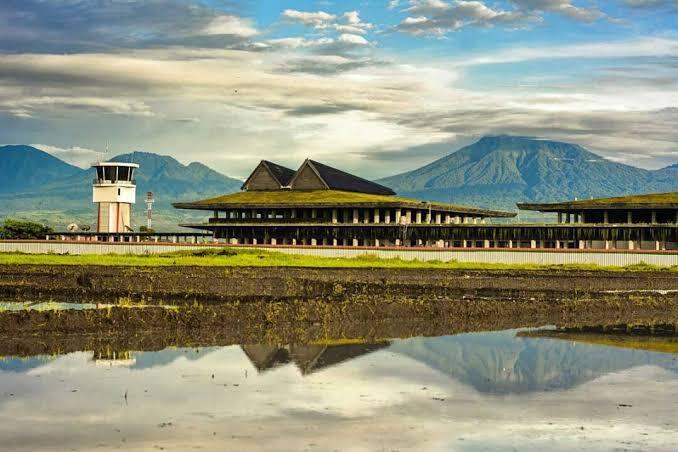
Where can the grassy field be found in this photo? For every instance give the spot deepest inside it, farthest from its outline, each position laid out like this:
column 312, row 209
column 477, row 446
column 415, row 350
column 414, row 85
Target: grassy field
column 258, row 258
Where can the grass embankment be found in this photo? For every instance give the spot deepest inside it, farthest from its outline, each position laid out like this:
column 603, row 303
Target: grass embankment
column 258, row 258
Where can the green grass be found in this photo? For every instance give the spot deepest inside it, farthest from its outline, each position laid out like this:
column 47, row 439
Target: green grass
column 258, row 258
column 312, row 198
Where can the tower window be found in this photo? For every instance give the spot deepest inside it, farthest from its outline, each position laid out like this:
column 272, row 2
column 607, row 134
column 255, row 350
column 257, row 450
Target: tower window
column 118, row 192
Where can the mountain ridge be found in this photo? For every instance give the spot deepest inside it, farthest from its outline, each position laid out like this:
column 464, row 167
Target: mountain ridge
column 65, row 195
column 498, row 171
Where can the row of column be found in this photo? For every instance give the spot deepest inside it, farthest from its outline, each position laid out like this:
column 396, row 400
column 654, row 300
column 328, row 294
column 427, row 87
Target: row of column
column 509, row 244
column 582, row 217
column 356, row 216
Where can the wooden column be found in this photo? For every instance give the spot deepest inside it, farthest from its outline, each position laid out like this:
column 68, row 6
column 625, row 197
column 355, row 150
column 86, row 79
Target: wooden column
column 356, row 216
column 629, row 217
column 335, row 218
column 376, row 216
column 387, row 216
column 398, row 214
column 418, row 217
column 439, row 218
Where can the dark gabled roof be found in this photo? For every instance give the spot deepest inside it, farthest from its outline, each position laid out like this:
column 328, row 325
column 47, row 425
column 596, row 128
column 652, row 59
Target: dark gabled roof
column 339, row 180
column 281, row 174
column 646, row 201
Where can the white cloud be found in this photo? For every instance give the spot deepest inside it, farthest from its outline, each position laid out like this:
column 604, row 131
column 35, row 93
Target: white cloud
column 439, row 17
column 644, row 47
column 319, row 19
column 231, row 25
column 436, row 17
column 353, row 39
column 75, row 155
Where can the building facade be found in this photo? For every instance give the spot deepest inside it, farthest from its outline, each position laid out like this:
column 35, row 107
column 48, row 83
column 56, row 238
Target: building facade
column 321, row 205
column 318, row 205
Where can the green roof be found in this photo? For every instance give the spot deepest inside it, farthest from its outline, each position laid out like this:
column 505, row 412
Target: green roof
column 647, row 201
column 324, row 198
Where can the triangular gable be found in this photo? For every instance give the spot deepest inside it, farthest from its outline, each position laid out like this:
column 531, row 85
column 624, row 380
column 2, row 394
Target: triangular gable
column 268, row 176
column 307, row 178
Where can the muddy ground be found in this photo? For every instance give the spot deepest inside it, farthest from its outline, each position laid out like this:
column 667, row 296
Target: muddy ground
column 219, row 285
column 154, row 308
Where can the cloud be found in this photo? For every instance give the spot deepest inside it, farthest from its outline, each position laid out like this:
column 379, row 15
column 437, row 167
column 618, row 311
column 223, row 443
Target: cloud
column 436, row 17
column 59, row 26
column 75, row 155
column 330, row 64
column 635, row 48
column 230, row 25
column 319, row 20
column 562, row 7
column 439, row 17
column 348, row 22
column 650, row 3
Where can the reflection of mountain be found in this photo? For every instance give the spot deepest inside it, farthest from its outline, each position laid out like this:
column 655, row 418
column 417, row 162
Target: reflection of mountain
column 307, row 358
column 503, row 363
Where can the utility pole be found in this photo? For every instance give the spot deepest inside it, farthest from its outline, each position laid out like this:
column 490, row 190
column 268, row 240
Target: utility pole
column 149, row 209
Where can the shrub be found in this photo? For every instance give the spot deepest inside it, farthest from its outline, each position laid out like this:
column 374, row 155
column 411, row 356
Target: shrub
column 19, row 229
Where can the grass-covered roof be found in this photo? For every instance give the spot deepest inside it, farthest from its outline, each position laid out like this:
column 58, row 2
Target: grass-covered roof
column 647, row 201
column 324, row 198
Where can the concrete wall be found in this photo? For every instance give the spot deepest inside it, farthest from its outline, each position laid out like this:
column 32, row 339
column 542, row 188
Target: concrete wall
column 515, row 256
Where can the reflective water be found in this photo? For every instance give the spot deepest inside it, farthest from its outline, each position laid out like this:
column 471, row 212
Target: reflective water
column 480, row 391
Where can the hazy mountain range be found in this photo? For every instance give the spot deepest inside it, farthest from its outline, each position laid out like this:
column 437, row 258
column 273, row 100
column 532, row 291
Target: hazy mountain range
column 494, row 172
column 44, row 188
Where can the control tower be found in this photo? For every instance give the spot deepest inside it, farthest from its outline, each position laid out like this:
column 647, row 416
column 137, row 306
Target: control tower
column 114, row 191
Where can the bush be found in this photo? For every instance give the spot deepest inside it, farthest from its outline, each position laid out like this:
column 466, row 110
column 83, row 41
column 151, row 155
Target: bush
column 19, row 229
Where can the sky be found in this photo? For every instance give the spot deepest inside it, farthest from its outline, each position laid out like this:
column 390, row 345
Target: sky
column 376, row 87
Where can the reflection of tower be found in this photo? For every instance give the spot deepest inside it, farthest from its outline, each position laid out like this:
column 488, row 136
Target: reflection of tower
column 149, row 209
column 114, row 191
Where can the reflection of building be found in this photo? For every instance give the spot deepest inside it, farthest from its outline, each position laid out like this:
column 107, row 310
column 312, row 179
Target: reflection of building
column 320, row 205
column 654, row 338
column 111, row 358
column 307, row 358
column 114, row 192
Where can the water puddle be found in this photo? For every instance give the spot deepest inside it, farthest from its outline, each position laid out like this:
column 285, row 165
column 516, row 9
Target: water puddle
column 596, row 388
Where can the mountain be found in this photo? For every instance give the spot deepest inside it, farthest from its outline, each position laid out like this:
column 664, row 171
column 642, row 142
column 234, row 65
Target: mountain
column 23, row 168
column 502, row 170
column 171, row 181
column 59, row 193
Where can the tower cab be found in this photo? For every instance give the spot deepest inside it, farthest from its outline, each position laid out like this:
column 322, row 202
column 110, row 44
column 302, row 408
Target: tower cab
column 114, row 192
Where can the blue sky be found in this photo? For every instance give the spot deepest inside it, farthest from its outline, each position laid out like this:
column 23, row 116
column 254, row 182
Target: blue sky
column 373, row 86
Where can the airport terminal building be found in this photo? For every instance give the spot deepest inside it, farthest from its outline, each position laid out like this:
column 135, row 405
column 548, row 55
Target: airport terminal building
column 318, row 205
